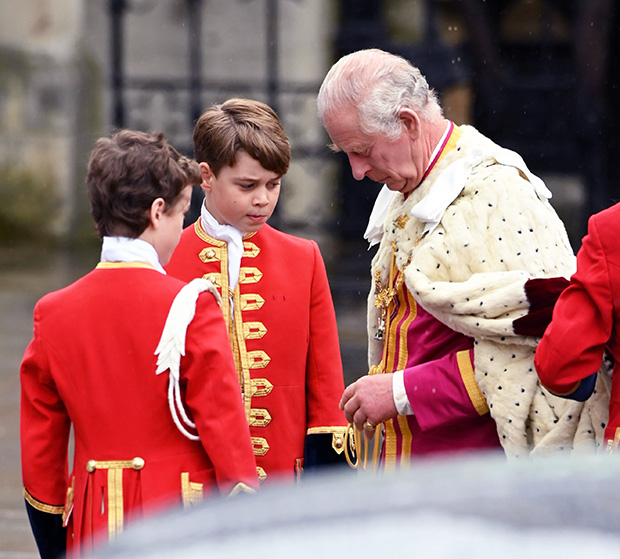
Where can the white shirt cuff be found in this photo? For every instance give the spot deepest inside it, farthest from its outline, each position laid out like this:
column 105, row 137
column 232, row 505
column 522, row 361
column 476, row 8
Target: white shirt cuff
column 403, row 407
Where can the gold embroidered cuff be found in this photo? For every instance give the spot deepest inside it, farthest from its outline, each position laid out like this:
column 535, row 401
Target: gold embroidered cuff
column 338, row 435
column 43, row 507
column 469, row 380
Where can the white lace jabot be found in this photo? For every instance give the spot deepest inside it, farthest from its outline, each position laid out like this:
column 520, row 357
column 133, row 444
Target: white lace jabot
column 233, row 238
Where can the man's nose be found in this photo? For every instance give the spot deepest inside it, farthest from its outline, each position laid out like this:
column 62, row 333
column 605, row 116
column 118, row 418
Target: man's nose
column 359, row 166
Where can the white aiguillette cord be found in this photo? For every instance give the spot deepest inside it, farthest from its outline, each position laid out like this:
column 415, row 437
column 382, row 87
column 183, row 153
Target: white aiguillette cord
column 172, row 346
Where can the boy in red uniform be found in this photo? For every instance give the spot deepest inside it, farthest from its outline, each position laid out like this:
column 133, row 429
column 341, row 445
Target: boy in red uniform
column 586, row 322
column 279, row 311
column 151, row 393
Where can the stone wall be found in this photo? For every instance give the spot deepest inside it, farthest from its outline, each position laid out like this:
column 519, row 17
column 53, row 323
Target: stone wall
column 55, row 96
column 47, row 107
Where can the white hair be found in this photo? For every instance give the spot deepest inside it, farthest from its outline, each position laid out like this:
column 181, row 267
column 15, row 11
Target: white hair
column 379, row 84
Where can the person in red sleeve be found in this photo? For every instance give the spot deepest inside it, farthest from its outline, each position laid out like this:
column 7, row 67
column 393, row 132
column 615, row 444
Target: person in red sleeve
column 278, row 308
column 585, row 323
column 136, row 362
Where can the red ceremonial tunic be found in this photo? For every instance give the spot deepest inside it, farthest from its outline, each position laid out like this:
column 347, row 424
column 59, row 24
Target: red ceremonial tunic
column 284, row 337
column 91, row 366
column 586, row 319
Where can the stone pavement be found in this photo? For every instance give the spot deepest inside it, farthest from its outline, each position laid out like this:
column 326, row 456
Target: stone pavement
column 28, row 273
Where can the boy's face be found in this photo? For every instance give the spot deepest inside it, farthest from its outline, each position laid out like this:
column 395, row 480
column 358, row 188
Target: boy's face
column 243, row 195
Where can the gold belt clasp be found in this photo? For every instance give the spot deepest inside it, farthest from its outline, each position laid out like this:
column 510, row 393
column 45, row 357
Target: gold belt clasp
column 136, row 464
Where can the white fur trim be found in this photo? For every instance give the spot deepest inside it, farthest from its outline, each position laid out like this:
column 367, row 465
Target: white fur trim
column 469, row 273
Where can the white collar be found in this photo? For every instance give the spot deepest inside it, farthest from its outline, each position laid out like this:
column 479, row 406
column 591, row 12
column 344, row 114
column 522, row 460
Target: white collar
column 233, row 238
column 374, row 230
column 126, row 249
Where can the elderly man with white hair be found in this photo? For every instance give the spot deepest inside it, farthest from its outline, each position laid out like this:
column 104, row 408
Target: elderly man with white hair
column 455, row 309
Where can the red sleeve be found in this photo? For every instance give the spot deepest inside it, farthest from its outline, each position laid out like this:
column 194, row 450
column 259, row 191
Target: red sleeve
column 45, row 428
column 324, row 377
column 573, row 344
column 444, row 391
column 213, row 396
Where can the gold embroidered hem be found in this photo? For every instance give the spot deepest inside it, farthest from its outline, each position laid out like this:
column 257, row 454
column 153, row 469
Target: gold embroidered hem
column 43, row 507
column 338, row 429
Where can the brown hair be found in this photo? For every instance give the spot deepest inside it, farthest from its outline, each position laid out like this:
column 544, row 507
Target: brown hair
column 127, row 172
column 241, row 124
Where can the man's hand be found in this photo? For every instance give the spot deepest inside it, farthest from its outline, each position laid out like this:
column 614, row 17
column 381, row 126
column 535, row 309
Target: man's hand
column 369, row 401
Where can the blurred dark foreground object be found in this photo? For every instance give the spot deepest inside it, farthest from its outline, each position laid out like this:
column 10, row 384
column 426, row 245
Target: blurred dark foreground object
column 480, row 506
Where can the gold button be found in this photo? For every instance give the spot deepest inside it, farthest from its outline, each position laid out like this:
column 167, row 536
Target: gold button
column 210, row 253
column 91, row 466
column 338, row 443
column 137, row 463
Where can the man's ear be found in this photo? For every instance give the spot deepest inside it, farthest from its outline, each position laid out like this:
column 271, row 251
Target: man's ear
column 207, row 176
column 156, row 212
column 411, row 123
